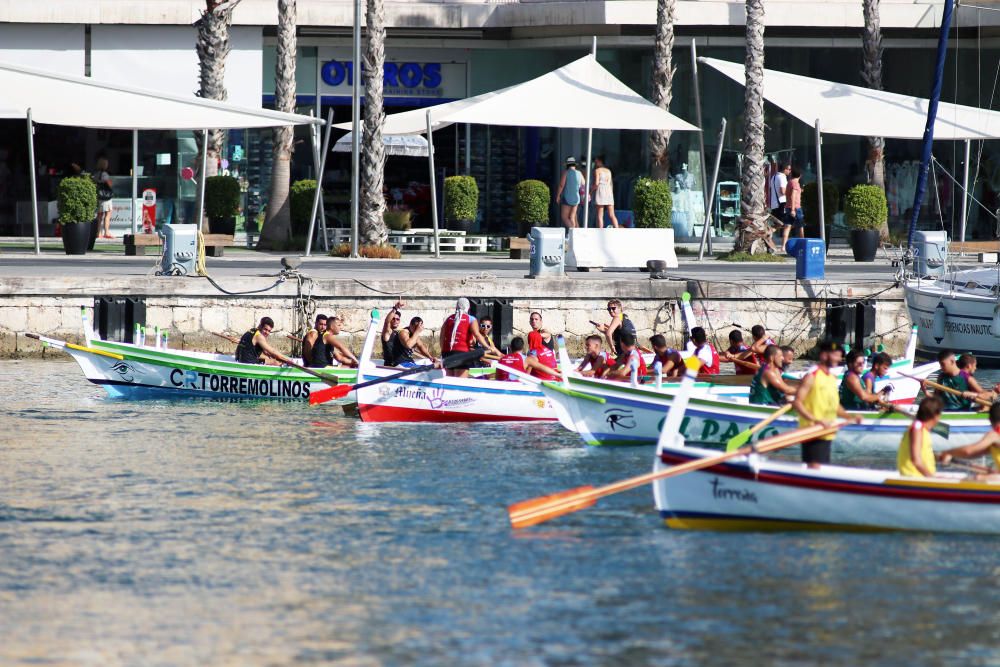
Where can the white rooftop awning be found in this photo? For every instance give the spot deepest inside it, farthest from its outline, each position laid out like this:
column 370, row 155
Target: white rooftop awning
column 406, row 145
column 61, row 99
column 860, row 111
column 582, row 94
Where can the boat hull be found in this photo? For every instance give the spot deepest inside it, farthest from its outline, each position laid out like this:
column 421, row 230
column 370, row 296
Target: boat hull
column 412, row 399
column 604, row 414
column 776, row 495
column 968, row 315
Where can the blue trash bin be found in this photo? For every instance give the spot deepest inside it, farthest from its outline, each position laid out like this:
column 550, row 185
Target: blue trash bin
column 792, row 247
column 810, row 260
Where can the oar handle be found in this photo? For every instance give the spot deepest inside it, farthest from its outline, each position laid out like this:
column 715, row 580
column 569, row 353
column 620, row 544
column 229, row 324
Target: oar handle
column 948, row 390
column 226, row 337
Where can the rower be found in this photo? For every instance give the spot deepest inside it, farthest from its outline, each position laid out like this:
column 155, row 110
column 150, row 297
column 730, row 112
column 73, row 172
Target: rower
column 629, row 361
column 329, row 351
column 619, row 324
column 817, row 402
column 915, row 457
column 486, row 327
column 787, row 357
column 535, row 336
column 595, row 360
column 699, row 347
column 407, row 341
column 953, row 377
column 514, row 359
column 670, row 360
column 988, row 444
column 389, row 334
column 968, row 364
column 739, row 350
column 253, row 347
column 542, row 361
column 456, row 332
column 767, row 386
column 311, row 337
column 761, row 341
column 857, row 389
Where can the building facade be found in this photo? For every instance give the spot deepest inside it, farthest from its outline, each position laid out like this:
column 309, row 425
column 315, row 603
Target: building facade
column 440, row 51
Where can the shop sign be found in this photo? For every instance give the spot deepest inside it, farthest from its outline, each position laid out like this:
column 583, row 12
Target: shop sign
column 121, row 213
column 414, row 78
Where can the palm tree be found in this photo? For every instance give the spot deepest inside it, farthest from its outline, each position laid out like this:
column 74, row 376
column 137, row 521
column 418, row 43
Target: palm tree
column 277, row 231
column 871, row 72
column 213, row 49
column 663, row 78
column 371, row 225
column 754, row 232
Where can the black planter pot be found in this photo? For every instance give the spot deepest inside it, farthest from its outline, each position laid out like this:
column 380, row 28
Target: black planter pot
column 864, row 243
column 94, row 225
column 461, row 225
column 223, row 225
column 76, row 237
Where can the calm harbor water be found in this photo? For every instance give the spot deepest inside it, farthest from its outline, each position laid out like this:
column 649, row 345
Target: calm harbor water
column 194, row 533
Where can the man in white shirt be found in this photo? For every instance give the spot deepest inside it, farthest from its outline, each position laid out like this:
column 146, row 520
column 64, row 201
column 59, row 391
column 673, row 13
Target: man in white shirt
column 779, row 182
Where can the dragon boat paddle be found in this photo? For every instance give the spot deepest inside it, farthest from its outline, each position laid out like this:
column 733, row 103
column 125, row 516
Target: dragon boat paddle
column 539, row 510
column 743, row 437
column 948, row 390
column 333, row 382
column 324, row 395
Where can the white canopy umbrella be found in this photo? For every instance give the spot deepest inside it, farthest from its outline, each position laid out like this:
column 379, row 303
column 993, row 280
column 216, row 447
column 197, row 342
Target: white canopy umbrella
column 61, row 99
column 859, row 111
column 580, row 95
column 407, row 145
column 838, row 108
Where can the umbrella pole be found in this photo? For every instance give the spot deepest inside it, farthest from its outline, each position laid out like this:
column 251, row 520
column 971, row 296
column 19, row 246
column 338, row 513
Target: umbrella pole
column 201, row 181
column 356, row 129
column 590, row 149
column 135, row 179
column 697, row 115
column 317, row 196
column 711, row 195
column 965, row 193
column 34, row 186
column 434, row 203
column 819, row 182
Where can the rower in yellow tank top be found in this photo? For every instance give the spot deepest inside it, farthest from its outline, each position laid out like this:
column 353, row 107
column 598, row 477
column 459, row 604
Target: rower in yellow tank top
column 989, row 443
column 906, row 462
column 818, row 402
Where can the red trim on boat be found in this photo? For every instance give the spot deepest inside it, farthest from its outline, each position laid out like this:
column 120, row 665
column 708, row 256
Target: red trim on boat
column 842, row 486
column 384, row 413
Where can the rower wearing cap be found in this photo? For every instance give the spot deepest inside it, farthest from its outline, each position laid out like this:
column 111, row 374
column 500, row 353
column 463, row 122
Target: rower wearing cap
column 456, row 332
column 817, row 402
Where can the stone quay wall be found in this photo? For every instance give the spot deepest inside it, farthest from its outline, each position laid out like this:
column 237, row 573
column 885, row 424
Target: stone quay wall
column 192, row 310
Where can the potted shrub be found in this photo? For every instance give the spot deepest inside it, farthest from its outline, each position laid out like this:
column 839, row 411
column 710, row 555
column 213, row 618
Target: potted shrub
column 865, row 211
column 531, row 205
column 222, row 203
column 810, row 208
column 461, row 202
column 397, row 218
column 652, row 203
column 77, row 201
column 300, row 203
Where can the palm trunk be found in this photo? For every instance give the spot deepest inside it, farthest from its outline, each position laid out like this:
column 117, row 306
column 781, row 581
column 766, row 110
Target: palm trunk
column 754, row 232
column 277, row 230
column 371, row 225
column 663, row 78
column 213, row 49
column 871, row 40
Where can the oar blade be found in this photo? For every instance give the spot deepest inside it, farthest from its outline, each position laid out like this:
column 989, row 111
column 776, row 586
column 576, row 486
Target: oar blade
column 539, row 510
column 738, row 440
column 330, row 394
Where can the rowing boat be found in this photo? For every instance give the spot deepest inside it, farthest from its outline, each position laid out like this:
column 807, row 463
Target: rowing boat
column 612, row 413
column 752, row 493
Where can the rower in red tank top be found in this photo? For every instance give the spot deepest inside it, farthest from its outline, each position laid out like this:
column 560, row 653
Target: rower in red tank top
column 514, row 359
column 456, row 332
column 546, row 358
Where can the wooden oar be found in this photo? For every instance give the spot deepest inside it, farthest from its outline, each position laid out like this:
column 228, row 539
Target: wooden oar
column 333, row 382
column 744, row 363
column 968, row 465
column 324, row 395
column 940, row 428
column 538, row 510
column 743, row 437
column 74, row 346
column 948, row 390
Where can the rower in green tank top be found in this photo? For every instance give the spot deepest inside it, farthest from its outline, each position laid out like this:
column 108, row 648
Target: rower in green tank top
column 767, row 386
column 958, row 375
column 857, row 387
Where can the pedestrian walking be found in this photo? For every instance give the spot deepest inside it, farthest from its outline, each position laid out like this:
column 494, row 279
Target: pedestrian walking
column 603, row 193
column 569, row 193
